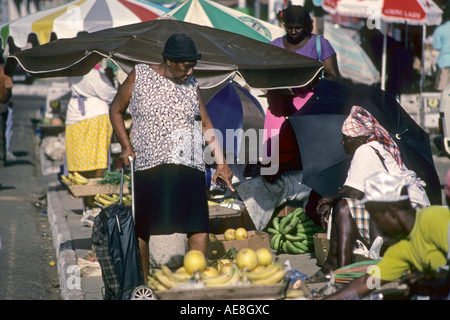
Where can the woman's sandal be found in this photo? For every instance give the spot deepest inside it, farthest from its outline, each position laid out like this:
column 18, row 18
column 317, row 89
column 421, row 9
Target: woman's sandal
column 317, row 277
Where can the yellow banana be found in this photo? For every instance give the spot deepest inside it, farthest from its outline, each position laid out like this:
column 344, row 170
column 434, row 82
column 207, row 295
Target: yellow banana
column 155, row 284
column 167, row 272
column 105, row 202
column 263, row 274
column 109, row 198
column 275, row 278
column 66, row 180
column 218, row 280
column 125, row 201
column 234, row 277
column 79, row 178
column 182, row 276
column 71, row 177
column 164, row 280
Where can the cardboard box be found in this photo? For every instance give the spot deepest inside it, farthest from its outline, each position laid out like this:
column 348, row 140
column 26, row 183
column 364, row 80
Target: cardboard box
column 321, row 247
column 255, row 240
column 93, row 187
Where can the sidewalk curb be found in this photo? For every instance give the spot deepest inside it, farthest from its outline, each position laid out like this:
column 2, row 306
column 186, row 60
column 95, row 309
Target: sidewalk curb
column 62, row 241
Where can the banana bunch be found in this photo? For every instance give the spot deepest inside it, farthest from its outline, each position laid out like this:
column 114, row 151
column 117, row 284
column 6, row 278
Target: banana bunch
column 166, row 279
column 293, row 234
column 107, row 200
column 270, row 274
column 74, row 179
column 233, row 277
column 162, row 279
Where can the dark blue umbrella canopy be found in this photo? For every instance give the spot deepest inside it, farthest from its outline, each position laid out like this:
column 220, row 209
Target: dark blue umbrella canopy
column 231, row 108
column 325, row 168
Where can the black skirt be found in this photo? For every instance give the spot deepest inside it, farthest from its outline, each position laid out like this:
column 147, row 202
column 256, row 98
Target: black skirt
column 170, row 199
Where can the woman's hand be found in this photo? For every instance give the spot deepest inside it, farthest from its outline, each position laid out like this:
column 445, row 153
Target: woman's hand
column 324, row 210
column 127, row 152
column 224, row 173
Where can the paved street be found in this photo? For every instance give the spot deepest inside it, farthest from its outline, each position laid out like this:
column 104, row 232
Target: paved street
column 27, row 257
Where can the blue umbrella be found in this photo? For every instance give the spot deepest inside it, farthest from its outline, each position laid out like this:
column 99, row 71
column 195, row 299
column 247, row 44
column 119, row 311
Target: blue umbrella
column 231, row 108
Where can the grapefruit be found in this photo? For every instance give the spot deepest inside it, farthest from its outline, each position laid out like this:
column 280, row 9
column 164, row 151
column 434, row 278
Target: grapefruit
column 264, row 256
column 241, row 234
column 246, row 258
column 194, row 260
column 230, row 234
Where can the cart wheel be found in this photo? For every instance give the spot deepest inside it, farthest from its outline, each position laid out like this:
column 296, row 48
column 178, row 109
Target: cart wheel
column 143, row 293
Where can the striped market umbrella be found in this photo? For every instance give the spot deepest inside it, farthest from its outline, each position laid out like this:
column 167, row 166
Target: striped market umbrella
column 354, row 63
column 68, row 20
column 212, row 14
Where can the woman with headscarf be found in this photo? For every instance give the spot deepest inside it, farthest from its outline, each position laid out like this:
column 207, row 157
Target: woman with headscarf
column 373, row 151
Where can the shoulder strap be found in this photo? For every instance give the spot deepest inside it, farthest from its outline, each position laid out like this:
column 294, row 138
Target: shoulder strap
column 319, row 47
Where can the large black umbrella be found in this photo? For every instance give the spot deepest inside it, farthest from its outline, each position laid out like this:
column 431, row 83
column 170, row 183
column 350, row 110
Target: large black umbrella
column 224, row 54
column 319, row 124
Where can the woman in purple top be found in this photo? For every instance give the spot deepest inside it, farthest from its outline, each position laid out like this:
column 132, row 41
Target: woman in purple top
column 299, row 38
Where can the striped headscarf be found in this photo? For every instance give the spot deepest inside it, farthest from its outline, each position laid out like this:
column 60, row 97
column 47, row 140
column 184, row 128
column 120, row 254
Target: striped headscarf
column 361, row 123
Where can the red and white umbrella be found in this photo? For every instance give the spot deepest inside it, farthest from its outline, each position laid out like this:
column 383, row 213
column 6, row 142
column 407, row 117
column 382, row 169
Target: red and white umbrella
column 415, row 12
column 68, row 20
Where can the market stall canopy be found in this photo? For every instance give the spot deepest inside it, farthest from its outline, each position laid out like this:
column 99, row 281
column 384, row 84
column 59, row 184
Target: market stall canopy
column 224, row 54
column 81, row 15
column 416, row 12
column 212, row 14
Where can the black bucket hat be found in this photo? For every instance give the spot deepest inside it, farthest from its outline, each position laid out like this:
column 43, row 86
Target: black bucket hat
column 180, row 47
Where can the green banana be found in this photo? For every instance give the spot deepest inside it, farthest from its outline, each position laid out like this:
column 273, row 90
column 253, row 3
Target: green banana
column 301, row 246
column 284, row 222
column 292, row 248
column 297, row 237
column 276, row 223
column 272, row 230
column 275, row 242
column 306, row 230
column 284, row 246
column 290, row 226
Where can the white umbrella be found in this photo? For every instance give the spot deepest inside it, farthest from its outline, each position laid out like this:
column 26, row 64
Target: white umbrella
column 68, row 20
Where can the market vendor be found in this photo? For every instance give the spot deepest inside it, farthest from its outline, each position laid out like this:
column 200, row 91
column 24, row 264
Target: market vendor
column 423, row 237
column 280, row 180
column 373, row 151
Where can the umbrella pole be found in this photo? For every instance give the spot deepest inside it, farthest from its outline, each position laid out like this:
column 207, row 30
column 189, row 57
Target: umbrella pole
column 422, row 77
column 383, row 61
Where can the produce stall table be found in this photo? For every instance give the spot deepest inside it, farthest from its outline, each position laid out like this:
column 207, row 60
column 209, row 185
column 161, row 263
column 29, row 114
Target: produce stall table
column 252, row 291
